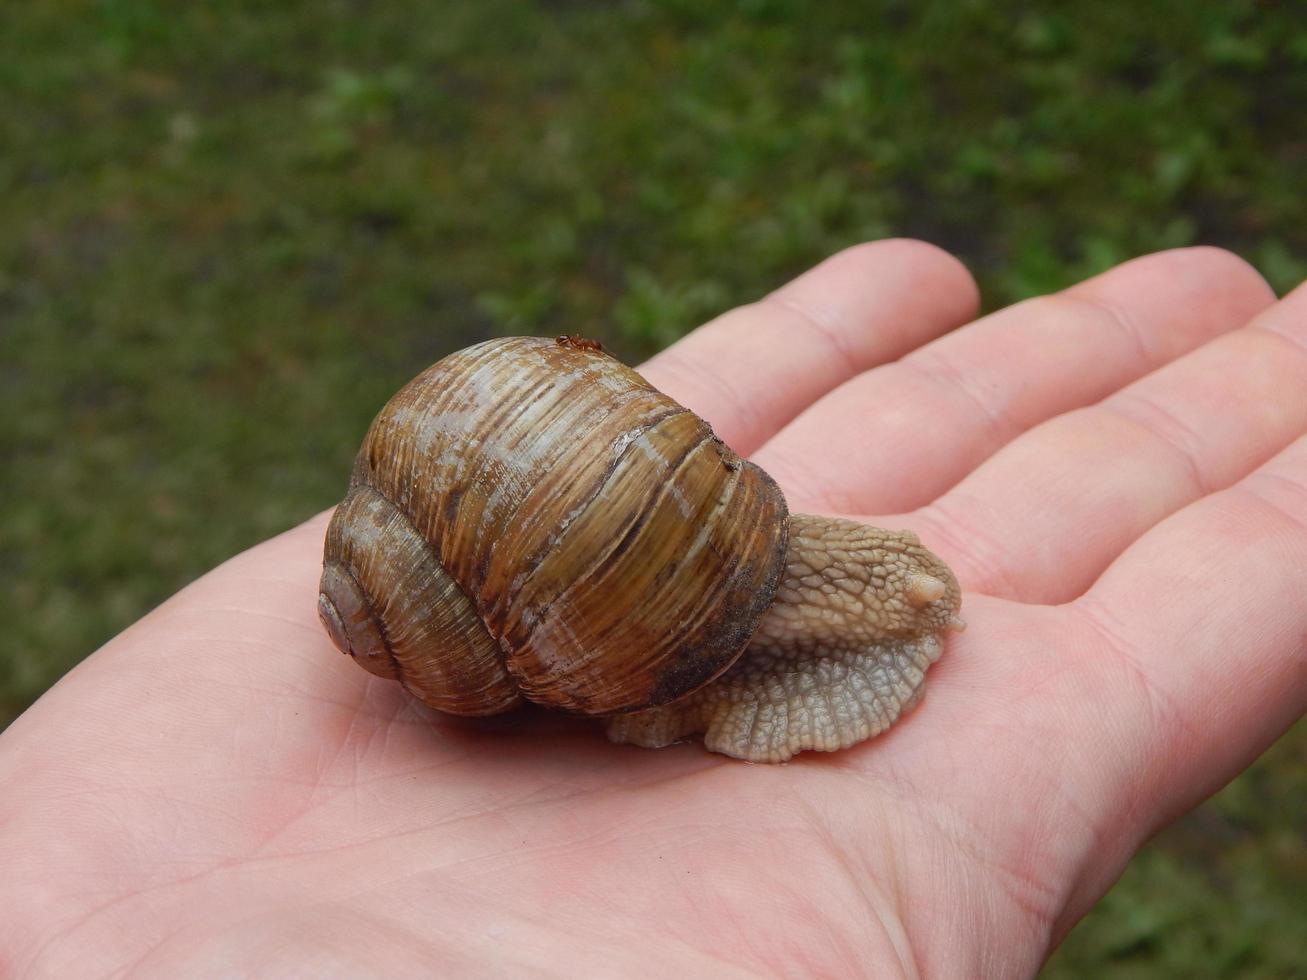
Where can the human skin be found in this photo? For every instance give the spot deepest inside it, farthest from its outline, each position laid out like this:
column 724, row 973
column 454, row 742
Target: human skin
column 1118, row 475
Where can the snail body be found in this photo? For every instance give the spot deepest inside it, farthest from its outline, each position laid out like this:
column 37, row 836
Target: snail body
column 529, row 519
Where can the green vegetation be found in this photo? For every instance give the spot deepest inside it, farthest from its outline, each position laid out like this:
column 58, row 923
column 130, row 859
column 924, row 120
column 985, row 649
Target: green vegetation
column 229, row 229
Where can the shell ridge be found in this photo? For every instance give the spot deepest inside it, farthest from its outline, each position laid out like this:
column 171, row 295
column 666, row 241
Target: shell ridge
column 538, row 484
column 624, row 399
column 621, row 542
column 533, row 560
column 402, row 512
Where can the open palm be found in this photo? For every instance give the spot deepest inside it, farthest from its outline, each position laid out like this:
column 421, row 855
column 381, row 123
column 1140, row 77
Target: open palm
column 1118, row 474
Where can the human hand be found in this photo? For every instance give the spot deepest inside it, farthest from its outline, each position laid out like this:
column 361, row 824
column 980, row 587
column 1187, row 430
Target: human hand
column 1117, row 473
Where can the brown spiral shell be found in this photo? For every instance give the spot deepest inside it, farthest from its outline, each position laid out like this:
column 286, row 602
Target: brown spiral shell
column 529, row 518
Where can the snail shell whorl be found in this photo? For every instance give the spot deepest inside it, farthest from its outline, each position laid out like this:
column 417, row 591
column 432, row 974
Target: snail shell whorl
column 533, row 518
column 382, row 571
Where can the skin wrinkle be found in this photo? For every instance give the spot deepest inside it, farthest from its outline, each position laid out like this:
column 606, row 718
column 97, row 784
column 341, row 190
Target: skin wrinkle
column 294, row 694
column 1096, row 845
column 216, row 640
column 827, row 330
column 880, row 304
column 86, row 918
column 1165, row 717
column 500, row 808
column 709, row 951
column 331, row 754
column 356, row 906
column 375, row 926
column 797, row 950
column 133, row 966
column 938, row 369
column 1105, row 364
column 388, row 840
column 583, row 845
column 1168, row 726
column 943, row 866
column 1249, row 484
column 1096, row 299
column 239, row 863
column 246, row 613
column 817, row 950
column 702, row 903
column 1215, row 458
column 877, row 905
column 966, row 544
column 909, row 795
column 1038, row 918
column 1284, row 334
column 1101, row 850
column 1167, row 429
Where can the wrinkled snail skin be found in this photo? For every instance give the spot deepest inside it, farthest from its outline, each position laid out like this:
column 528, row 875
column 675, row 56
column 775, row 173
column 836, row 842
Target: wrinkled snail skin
column 529, row 519
column 843, row 651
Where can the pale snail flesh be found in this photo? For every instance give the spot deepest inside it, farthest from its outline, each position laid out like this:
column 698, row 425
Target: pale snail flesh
column 529, row 519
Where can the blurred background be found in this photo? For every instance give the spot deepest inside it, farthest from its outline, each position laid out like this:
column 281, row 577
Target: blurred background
column 229, row 230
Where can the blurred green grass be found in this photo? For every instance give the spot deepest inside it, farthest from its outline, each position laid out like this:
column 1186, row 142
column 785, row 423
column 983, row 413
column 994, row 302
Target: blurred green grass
column 228, row 230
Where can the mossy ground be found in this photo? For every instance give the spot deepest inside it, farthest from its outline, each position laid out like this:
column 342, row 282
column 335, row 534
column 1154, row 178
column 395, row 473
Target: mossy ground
column 228, row 231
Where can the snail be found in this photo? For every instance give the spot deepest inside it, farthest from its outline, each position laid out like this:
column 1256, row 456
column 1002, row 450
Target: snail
column 530, row 520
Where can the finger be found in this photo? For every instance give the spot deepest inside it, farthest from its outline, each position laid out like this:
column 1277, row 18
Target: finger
column 751, row 370
column 1199, row 639
column 905, row 432
column 1041, row 519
